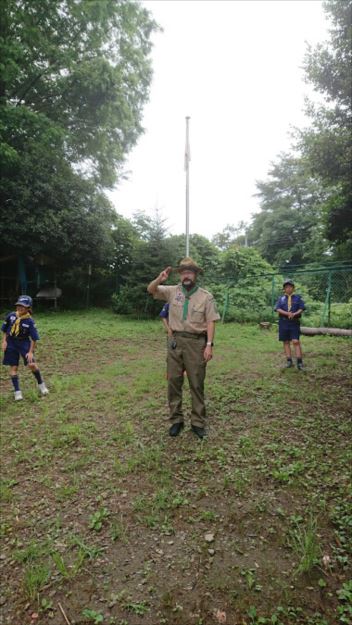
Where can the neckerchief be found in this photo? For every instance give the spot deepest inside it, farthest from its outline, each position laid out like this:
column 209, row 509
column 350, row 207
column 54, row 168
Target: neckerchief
column 289, row 302
column 187, row 295
column 15, row 328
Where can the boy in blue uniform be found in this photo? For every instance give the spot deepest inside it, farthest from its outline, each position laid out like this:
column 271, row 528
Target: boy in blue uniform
column 290, row 308
column 164, row 316
column 20, row 337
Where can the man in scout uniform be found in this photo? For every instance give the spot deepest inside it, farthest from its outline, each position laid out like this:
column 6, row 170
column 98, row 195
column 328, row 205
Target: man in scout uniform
column 192, row 316
column 290, row 307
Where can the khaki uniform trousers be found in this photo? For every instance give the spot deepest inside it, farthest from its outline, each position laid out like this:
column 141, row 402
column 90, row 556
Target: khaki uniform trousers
column 188, row 355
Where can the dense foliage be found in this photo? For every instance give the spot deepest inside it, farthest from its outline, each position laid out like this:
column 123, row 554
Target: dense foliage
column 327, row 144
column 74, row 79
column 306, row 202
column 287, row 228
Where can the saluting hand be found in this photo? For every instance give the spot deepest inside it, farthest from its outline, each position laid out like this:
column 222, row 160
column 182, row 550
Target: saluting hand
column 163, row 276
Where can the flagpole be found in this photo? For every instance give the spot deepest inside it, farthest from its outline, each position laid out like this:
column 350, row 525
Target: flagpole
column 187, row 159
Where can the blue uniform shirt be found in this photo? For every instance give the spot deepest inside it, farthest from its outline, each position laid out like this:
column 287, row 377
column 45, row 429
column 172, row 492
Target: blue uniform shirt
column 27, row 330
column 164, row 313
column 297, row 303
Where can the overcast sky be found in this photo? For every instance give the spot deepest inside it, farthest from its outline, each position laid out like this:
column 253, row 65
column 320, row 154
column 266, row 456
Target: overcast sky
column 234, row 67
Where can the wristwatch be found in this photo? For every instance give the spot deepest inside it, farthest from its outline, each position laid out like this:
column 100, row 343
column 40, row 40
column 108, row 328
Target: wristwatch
column 210, row 343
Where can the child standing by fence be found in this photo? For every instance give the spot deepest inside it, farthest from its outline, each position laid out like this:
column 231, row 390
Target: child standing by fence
column 290, row 307
column 20, row 337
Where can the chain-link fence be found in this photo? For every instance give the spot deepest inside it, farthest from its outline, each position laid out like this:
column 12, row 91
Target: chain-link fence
column 327, row 292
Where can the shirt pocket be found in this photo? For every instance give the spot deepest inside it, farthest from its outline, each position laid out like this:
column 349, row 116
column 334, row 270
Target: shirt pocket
column 197, row 315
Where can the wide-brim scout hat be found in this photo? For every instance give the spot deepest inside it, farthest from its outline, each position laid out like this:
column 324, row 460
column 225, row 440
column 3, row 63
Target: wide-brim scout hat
column 24, row 300
column 188, row 264
column 288, row 281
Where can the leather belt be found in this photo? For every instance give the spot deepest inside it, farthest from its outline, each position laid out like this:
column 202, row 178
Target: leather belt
column 190, row 335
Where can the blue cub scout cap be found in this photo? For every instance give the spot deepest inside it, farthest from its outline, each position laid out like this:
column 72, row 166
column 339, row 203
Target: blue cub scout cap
column 288, row 281
column 24, row 300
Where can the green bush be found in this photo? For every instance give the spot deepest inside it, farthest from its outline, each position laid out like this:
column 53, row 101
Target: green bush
column 341, row 315
column 134, row 300
column 247, row 302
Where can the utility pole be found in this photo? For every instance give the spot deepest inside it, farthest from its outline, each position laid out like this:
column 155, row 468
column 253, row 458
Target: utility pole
column 187, row 159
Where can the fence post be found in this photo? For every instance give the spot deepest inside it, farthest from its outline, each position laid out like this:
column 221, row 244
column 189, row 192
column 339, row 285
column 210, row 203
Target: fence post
column 226, row 305
column 272, row 297
column 329, row 295
column 327, row 303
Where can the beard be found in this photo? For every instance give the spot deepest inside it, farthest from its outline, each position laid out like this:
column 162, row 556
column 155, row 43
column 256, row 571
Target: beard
column 188, row 284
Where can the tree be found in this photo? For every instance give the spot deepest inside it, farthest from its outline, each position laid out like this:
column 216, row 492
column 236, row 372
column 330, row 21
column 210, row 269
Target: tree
column 125, row 238
column 152, row 251
column 327, row 144
column 148, row 227
column 288, row 228
column 84, row 66
column 242, row 264
column 47, row 208
column 74, row 78
column 246, row 288
column 149, row 255
column 306, row 203
column 203, row 251
column 231, row 235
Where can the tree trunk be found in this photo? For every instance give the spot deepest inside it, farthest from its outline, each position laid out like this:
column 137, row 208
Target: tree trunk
column 332, row 331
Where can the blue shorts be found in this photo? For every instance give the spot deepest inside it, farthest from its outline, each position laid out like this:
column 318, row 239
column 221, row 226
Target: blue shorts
column 289, row 331
column 13, row 352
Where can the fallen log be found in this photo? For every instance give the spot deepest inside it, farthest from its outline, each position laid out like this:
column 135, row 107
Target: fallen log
column 332, row 331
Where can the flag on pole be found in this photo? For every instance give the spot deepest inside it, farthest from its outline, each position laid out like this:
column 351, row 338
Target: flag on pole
column 187, row 149
column 187, row 159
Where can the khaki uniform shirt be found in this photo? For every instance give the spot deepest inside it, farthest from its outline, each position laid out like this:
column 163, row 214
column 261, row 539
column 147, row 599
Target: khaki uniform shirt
column 201, row 309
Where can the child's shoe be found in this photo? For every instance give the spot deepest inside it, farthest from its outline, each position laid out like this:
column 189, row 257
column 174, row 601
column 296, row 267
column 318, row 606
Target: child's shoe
column 300, row 365
column 289, row 363
column 42, row 389
column 18, row 395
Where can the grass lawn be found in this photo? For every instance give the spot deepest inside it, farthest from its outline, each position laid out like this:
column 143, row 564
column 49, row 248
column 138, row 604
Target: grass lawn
column 106, row 519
